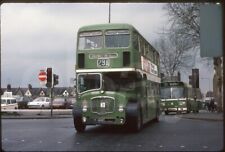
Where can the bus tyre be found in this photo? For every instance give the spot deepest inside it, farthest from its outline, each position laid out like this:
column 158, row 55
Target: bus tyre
column 133, row 117
column 157, row 116
column 166, row 113
column 188, row 111
column 178, row 112
column 78, row 124
column 137, row 122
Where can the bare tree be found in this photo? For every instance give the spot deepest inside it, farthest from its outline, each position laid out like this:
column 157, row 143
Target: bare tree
column 177, row 43
column 185, row 20
column 174, row 53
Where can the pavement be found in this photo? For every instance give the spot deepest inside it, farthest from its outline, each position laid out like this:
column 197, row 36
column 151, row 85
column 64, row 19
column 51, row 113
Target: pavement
column 67, row 113
column 36, row 113
column 204, row 115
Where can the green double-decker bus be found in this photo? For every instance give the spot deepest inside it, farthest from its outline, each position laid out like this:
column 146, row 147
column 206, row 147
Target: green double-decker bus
column 179, row 97
column 117, row 77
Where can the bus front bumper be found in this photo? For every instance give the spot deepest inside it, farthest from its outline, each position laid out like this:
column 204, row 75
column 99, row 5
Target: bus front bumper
column 175, row 109
column 103, row 121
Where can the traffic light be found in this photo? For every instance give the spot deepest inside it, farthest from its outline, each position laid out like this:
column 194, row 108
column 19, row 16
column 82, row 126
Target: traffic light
column 49, row 78
column 55, row 79
column 195, row 76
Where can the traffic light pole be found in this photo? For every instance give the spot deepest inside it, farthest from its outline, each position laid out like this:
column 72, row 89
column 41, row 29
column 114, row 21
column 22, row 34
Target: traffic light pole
column 52, row 80
column 51, row 90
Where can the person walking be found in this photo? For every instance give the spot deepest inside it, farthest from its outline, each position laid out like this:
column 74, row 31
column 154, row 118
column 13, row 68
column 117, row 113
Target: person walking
column 212, row 105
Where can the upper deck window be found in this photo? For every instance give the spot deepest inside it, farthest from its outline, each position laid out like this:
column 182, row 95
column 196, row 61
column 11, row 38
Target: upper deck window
column 90, row 40
column 117, row 38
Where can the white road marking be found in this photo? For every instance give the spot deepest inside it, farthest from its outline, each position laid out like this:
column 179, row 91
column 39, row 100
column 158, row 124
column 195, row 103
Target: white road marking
column 160, row 146
column 205, row 147
column 182, row 146
column 59, row 142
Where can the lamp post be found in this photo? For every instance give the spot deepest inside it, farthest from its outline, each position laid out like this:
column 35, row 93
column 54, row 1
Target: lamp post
column 109, row 12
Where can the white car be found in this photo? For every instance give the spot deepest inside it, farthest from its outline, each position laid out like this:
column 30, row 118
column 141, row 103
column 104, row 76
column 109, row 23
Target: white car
column 40, row 102
column 8, row 103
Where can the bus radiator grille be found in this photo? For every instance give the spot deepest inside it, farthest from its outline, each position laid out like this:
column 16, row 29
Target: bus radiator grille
column 102, row 105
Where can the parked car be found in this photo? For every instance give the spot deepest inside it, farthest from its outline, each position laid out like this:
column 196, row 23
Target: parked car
column 23, row 101
column 59, row 102
column 71, row 102
column 8, row 103
column 40, row 102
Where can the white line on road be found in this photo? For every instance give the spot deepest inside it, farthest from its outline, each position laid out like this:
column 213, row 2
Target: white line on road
column 182, row 146
column 205, row 147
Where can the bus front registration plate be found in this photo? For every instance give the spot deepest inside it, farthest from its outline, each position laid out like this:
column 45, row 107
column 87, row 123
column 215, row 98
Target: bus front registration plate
column 102, row 105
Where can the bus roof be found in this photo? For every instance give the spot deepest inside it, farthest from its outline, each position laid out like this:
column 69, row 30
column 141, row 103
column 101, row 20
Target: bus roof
column 107, row 27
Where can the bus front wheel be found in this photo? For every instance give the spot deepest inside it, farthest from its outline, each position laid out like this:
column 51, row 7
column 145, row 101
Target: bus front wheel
column 78, row 124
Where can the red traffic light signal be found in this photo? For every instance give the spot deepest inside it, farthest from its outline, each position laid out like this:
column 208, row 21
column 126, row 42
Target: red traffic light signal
column 49, row 78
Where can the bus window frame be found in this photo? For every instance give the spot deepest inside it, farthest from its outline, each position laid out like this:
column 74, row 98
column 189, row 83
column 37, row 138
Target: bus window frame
column 79, row 36
column 129, row 43
column 135, row 41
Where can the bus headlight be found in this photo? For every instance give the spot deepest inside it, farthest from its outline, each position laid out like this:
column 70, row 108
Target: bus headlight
column 84, row 119
column 85, row 106
column 120, row 108
column 84, row 109
column 182, row 103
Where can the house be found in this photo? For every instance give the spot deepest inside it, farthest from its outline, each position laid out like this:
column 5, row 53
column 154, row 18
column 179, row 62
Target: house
column 39, row 92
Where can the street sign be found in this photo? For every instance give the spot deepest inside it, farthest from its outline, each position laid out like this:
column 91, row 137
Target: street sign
column 42, row 76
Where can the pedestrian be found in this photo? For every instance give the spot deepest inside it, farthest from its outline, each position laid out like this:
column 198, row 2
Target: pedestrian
column 212, row 105
column 207, row 106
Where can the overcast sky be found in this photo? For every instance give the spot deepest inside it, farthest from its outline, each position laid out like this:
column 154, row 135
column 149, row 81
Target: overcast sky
column 36, row 36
